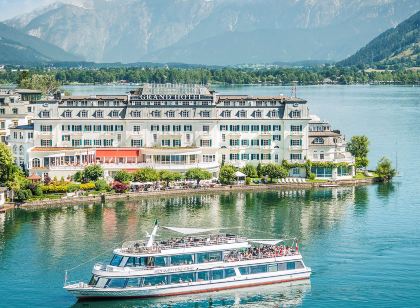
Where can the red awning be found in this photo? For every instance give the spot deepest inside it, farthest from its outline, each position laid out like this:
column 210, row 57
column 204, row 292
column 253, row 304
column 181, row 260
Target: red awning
column 117, row 153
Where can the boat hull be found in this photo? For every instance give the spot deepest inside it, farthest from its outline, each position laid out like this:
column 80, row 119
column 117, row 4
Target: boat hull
column 84, row 293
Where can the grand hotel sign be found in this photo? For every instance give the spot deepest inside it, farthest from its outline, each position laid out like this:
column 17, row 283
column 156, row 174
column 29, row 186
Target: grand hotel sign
column 169, row 97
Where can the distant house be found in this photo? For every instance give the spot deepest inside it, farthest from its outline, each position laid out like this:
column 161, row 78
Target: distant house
column 2, row 196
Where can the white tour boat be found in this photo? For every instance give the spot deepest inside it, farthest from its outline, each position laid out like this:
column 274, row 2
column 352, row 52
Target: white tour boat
column 192, row 264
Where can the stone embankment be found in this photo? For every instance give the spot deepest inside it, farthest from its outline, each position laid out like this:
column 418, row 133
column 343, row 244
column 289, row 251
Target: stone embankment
column 218, row 189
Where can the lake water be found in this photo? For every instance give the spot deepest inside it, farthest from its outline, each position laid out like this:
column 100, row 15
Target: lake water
column 362, row 243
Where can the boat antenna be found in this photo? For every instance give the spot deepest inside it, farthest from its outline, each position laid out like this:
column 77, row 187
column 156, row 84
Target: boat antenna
column 153, row 235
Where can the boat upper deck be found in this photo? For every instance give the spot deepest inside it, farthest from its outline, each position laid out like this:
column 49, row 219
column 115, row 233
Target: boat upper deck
column 182, row 243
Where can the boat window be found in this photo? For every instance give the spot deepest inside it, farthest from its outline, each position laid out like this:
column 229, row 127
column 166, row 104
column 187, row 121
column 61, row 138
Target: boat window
column 116, row 260
column 182, row 259
column 133, row 282
column 258, row 269
column 229, row 272
column 272, row 268
column 281, row 266
column 141, row 261
column 217, row 274
column 182, row 278
column 291, row 265
column 202, row 276
column 160, row 261
column 93, row 280
column 131, row 262
column 298, row 264
column 116, row 283
column 155, row 280
column 244, row 270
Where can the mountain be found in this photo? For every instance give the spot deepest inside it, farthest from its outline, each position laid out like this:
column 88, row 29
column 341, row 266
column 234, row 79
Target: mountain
column 17, row 47
column 396, row 45
column 215, row 32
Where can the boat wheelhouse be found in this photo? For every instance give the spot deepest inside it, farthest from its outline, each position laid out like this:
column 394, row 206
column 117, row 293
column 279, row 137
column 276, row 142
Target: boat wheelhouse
column 192, row 264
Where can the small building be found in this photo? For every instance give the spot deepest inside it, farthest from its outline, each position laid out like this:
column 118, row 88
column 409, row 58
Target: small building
column 240, row 177
column 3, row 191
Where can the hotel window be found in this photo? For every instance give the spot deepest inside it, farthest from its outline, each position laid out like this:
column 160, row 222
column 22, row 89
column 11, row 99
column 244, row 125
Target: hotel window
column 176, row 128
column 234, row 128
column 156, row 113
column 170, row 114
column 70, row 103
column 46, row 142
column 44, row 114
column 321, row 155
column 166, row 128
column 255, row 142
column 136, row 103
column 136, row 114
column 119, row 128
column 21, row 150
column 187, row 128
column 108, row 128
column 276, row 128
column 76, row 142
column 97, row 142
column 46, row 128
column 255, row 128
column 115, row 113
column 108, row 142
column 205, row 114
column 257, row 114
column 97, row 128
column 101, row 104
column 245, row 128
column 319, row 140
column 76, row 128
column 116, row 103
column 3, row 111
column 156, row 103
column 176, row 143
column 226, row 103
column 29, row 109
column 2, row 125
column 295, row 171
column 296, row 128
column 83, row 103
column 88, row 128
column 265, row 142
column 223, row 128
column 166, row 143
column 206, row 103
column 65, row 137
column 30, row 135
column 99, row 114
column 276, row 137
column 65, row 128
column 136, row 128
column 154, row 128
column 234, row 142
column 242, row 103
column 276, row 157
column 265, row 156
column 206, row 128
column 294, row 142
column 15, row 135
column 242, row 114
column 296, row 156
column 226, row 114
column 36, row 163
column 209, row 158
column 67, row 114
column 265, row 128
column 295, row 114
column 15, row 111
column 245, row 142
column 245, row 156
column 255, row 157
column 185, row 114
column 205, row 143
column 234, row 156
column 83, row 114
column 273, row 103
column 223, row 137
column 188, row 137
column 137, row 142
column 87, row 142
column 185, row 104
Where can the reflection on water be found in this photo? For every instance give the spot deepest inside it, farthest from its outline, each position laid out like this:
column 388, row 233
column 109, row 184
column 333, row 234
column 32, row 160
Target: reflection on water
column 279, row 295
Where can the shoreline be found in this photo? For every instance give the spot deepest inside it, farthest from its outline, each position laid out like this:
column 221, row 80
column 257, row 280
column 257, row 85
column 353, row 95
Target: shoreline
column 83, row 200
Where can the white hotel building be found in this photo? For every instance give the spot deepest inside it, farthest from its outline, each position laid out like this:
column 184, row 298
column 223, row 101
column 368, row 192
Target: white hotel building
column 177, row 127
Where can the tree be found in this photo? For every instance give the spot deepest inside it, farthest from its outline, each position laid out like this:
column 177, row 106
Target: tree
column 227, row 174
column 7, row 169
column 22, row 195
column 119, row 187
column 250, row 171
column 47, row 84
column 274, row 171
column 101, row 185
column 358, row 146
column 93, row 173
column 384, row 169
column 123, row 176
column 169, row 176
column 146, row 175
column 198, row 174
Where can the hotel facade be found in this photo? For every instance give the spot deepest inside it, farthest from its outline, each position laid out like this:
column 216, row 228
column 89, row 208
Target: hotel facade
column 176, row 127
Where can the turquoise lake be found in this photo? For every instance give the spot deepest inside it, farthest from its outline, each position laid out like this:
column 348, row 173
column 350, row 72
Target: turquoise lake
column 362, row 243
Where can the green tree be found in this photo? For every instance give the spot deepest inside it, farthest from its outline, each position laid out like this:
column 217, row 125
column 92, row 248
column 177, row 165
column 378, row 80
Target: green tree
column 227, row 174
column 358, row 146
column 102, row 185
column 384, row 169
column 7, row 169
column 22, row 195
column 259, row 169
column 198, row 174
column 123, row 176
column 169, row 176
column 249, row 170
column 274, row 171
column 93, row 173
column 46, row 83
column 146, row 175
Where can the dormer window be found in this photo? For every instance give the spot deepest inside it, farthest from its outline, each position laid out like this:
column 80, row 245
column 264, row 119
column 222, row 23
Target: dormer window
column 83, row 114
column 273, row 114
column 185, row 114
column 319, row 140
column 99, row 114
column 227, row 103
column 45, row 114
column 295, row 114
column 156, row 113
column 257, row 114
column 171, row 114
column 242, row 114
column 115, row 113
column 67, row 114
column 136, row 114
column 226, row 114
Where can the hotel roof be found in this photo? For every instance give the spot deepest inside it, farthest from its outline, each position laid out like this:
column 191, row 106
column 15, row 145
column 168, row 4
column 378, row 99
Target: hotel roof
column 249, row 97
